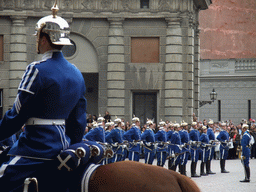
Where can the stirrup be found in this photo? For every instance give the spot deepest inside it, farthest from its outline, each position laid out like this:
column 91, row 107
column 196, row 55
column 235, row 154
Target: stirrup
column 28, row 181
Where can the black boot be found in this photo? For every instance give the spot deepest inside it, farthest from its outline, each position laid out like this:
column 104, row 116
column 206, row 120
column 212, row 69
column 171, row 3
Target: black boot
column 222, row 166
column 247, row 175
column 193, row 170
column 182, row 170
column 208, row 167
column 169, row 164
column 202, row 173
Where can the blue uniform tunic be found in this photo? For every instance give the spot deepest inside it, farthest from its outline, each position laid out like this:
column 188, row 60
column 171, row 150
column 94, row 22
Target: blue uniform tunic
column 161, row 150
column 96, row 134
column 149, row 148
column 168, row 138
column 132, row 135
column 204, row 149
column 223, row 137
column 184, row 140
column 194, row 136
column 246, row 152
column 50, row 89
column 175, row 146
column 211, row 136
column 115, row 137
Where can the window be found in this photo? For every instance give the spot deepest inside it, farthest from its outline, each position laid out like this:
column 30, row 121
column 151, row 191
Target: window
column 1, row 47
column 249, row 109
column 1, row 103
column 145, row 50
column 219, row 110
column 69, row 50
column 144, row 4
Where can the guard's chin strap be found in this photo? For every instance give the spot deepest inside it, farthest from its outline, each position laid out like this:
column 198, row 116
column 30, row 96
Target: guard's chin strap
column 38, row 37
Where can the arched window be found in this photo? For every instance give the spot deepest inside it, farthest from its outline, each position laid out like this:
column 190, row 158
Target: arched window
column 144, row 4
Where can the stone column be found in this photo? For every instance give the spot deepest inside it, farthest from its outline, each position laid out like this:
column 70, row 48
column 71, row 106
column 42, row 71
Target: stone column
column 116, row 69
column 196, row 66
column 188, row 66
column 173, row 70
column 18, row 55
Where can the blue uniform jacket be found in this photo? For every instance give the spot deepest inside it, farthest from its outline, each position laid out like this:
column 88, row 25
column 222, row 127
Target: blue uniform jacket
column 184, row 138
column 210, row 134
column 194, row 136
column 131, row 135
column 175, row 141
column 245, row 141
column 148, row 137
column 160, row 136
column 96, row 134
column 9, row 141
column 115, row 136
column 204, row 139
column 50, row 89
column 223, row 137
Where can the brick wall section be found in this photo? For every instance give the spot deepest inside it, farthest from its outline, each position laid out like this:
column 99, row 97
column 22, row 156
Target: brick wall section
column 228, row 29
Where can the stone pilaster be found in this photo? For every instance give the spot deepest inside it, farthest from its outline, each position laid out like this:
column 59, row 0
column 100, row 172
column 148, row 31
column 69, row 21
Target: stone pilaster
column 173, row 70
column 18, row 55
column 188, row 66
column 196, row 66
column 116, row 69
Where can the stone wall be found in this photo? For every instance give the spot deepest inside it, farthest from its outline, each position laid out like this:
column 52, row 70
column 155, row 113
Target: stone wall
column 228, row 29
column 234, row 80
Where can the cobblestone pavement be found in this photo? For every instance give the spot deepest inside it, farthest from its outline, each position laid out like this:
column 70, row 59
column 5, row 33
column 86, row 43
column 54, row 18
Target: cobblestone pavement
column 224, row 182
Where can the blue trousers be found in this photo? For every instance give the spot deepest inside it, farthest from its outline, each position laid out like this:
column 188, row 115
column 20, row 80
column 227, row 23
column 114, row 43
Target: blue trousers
column 223, row 152
column 14, row 172
column 161, row 158
column 134, row 156
column 149, row 157
column 194, row 154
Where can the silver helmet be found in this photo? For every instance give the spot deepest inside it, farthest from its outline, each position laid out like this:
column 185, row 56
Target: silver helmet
column 56, row 27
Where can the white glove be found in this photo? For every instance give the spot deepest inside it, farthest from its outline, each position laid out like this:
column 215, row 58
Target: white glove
column 115, row 144
column 148, row 144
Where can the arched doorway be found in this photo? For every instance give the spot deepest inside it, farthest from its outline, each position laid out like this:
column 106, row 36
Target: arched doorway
column 84, row 56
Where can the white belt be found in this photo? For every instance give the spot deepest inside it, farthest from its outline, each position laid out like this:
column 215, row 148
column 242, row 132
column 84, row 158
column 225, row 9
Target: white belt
column 38, row 121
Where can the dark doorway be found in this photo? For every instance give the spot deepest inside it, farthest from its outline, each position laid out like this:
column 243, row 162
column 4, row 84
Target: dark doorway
column 145, row 106
column 91, row 83
column 1, row 103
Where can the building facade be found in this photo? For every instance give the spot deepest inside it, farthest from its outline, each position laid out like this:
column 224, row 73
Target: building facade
column 234, row 81
column 138, row 57
column 227, row 52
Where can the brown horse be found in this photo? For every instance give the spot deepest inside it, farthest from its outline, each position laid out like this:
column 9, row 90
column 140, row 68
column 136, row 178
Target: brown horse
column 129, row 176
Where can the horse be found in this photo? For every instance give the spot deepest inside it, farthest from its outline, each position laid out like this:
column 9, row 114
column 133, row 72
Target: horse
column 131, row 176
column 81, row 167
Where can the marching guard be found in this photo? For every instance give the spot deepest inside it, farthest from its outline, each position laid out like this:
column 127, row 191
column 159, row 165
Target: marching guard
column 195, row 146
column 175, row 148
column 115, row 138
column 204, row 139
column 161, row 150
column 98, row 131
column 133, row 136
column 223, row 137
column 245, row 143
column 148, row 137
column 211, row 136
column 184, row 136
